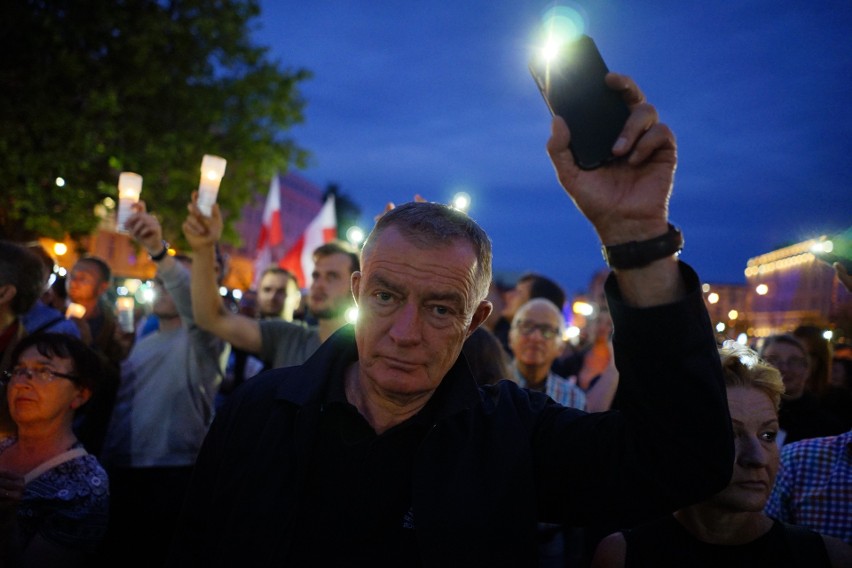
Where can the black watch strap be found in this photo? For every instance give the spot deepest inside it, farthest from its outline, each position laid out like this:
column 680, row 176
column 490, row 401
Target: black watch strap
column 162, row 254
column 637, row 254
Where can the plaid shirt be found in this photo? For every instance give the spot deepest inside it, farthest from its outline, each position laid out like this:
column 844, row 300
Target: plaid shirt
column 562, row 390
column 814, row 486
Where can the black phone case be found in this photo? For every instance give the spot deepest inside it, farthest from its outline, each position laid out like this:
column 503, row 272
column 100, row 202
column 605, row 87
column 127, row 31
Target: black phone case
column 574, row 89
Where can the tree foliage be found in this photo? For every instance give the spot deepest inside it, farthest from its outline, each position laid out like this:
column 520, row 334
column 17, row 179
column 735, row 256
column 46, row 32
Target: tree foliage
column 91, row 88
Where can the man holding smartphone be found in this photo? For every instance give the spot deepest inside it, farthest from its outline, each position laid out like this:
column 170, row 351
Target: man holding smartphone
column 380, row 450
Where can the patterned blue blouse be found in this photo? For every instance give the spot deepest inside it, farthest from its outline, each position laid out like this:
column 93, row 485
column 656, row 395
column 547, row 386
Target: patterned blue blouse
column 67, row 505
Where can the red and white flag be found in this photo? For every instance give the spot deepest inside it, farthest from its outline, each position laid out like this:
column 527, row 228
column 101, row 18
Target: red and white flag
column 300, row 258
column 271, row 232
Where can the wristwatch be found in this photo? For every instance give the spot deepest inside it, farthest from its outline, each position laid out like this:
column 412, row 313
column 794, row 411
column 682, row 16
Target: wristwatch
column 162, row 254
column 637, row 254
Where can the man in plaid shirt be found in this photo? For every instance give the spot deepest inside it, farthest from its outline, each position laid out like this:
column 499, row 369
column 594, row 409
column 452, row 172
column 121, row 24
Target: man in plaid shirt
column 814, row 486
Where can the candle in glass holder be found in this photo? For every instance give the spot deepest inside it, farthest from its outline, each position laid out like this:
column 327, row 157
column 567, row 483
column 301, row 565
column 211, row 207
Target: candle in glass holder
column 129, row 188
column 124, row 305
column 212, row 170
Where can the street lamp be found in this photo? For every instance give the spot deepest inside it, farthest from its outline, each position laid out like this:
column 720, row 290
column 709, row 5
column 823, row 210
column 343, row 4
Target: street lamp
column 461, row 201
column 355, row 235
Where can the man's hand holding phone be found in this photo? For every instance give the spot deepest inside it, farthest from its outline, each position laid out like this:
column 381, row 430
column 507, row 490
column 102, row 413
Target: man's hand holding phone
column 627, row 199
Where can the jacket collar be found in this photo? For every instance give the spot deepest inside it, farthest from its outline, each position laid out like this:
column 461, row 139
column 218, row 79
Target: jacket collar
column 457, row 391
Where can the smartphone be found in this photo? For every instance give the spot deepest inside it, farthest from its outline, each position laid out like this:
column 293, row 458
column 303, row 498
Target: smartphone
column 572, row 84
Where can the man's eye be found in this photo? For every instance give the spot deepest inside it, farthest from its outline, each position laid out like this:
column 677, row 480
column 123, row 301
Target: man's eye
column 769, row 436
column 441, row 310
column 383, row 297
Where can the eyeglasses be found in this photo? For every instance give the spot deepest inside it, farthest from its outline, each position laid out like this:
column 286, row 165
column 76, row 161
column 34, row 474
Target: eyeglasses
column 528, row 328
column 791, row 363
column 42, row 375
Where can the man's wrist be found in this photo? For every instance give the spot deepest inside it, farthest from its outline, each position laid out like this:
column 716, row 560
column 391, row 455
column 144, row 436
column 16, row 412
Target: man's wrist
column 636, row 254
column 161, row 254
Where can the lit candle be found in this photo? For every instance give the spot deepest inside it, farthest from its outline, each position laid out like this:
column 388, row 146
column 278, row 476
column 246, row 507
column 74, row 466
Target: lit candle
column 75, row 311
column 129, row 188
column 212, row 170
column 124, row 305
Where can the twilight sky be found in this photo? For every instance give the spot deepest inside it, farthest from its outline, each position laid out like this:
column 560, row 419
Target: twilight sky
column 434, row 97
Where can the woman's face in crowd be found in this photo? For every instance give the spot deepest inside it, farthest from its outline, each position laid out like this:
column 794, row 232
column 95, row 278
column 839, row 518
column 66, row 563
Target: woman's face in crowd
column 793, row 364
column 755, row 425
column 41, row 394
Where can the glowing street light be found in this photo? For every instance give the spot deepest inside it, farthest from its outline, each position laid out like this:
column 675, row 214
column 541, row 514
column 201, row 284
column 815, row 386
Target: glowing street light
column 583, row 308
column 762, row 289
column 713, row 297
column 355, row 235
column 461, row 201
column 352, row 315
column 60, row 182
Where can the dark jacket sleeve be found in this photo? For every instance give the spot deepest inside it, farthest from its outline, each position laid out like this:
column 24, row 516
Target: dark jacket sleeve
column 669, row 441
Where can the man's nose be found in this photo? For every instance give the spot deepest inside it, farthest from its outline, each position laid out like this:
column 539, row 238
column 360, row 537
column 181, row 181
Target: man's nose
column 406, row 324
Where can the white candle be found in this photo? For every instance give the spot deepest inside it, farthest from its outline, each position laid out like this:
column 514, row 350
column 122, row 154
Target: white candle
column 124, row 305
column 129, row 188
column 212, row 170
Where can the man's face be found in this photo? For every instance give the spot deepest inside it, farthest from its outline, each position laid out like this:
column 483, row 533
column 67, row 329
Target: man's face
column 84, row 283
column 515, row 298
column 330, row 294
column 164, row 305
column 415, row 309
column 755, row 425
column 535, row 338
column 793, row 364
column 271, row 294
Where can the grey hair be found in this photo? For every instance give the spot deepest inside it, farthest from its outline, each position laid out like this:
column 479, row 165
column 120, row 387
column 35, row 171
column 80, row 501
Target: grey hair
column 426, row 224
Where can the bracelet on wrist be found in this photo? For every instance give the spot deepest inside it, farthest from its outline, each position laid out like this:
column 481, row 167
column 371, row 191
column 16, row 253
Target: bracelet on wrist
column 162, row 254
column 637, row 254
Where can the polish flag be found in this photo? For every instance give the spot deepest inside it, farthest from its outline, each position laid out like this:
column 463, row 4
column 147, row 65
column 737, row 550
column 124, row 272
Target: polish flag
column 271, row 233
column 300, row 258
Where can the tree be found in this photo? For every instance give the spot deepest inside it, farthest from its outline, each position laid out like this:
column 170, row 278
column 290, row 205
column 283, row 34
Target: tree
column 89, row 89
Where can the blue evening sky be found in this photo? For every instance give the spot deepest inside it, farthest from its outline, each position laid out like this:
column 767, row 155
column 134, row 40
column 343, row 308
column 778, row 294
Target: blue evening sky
column 434, row 97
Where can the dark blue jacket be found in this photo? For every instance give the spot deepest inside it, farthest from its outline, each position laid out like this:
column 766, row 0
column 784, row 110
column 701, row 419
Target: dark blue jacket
column 496, row 460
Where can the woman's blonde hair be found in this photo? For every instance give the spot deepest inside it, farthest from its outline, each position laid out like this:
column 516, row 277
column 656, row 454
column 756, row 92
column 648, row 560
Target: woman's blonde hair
column 743, row 367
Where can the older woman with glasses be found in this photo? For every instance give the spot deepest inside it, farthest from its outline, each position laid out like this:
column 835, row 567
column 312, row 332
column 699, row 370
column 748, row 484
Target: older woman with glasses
column 801, row 415
column 54, row 496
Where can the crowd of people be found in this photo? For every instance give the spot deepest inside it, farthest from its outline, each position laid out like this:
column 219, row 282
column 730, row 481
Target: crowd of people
column 451, row 425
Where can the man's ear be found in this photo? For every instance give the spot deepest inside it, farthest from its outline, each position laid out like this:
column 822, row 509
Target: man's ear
column 480, row 314
column 7, row 293
column 355, row 284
